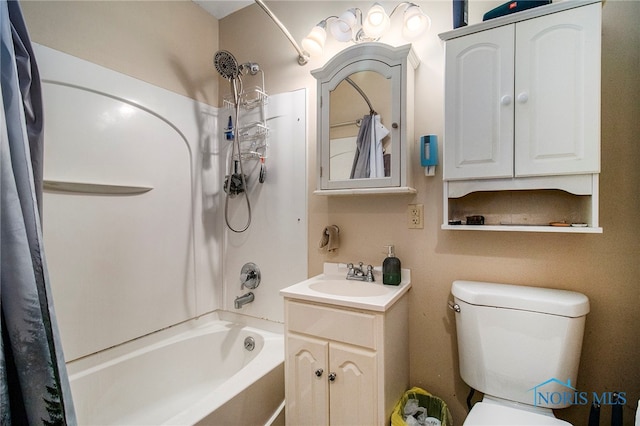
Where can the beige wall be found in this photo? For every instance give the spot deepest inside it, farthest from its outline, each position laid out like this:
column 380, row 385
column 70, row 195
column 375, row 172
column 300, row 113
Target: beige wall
column 604, row 267
column 166, row 43
column 153, row 41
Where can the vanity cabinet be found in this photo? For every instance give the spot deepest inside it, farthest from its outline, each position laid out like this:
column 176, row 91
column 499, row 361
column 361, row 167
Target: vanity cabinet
column 344, row 366
column 522, row 105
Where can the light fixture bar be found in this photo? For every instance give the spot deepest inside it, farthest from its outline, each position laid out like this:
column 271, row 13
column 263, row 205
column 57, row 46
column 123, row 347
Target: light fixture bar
column 303, row 58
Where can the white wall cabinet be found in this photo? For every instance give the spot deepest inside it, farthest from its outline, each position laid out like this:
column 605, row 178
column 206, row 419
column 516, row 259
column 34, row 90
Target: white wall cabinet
column 344, row 366
column 522, row 104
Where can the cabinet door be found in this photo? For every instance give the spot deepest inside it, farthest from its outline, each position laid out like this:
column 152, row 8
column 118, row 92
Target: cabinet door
column 557, row 90
column 354, row 390
column 306, row 393
column 479, row 105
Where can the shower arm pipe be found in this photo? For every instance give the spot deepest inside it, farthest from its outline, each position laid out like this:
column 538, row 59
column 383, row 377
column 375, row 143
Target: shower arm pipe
column 303, row 57
column 364, row 95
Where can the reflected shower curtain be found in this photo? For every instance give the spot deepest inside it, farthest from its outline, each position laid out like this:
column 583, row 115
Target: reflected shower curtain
column 368, row 160
column 34, row 387
column 360, row 168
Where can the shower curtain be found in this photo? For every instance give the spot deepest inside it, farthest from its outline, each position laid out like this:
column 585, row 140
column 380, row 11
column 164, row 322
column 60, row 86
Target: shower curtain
column 368, row 160
column 34, row 387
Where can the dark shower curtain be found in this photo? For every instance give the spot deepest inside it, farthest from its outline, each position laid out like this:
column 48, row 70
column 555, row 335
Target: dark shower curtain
column 34, row 387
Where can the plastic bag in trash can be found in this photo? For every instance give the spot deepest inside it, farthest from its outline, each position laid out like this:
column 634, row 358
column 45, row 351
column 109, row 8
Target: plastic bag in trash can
column 435, row 407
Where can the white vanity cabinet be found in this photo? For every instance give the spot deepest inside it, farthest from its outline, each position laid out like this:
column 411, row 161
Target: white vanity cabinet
column 344, row 366
column 522, row 103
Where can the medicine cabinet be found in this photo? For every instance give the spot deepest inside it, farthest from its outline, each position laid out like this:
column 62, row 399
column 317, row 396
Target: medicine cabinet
column 369, row 82
column 522, row 121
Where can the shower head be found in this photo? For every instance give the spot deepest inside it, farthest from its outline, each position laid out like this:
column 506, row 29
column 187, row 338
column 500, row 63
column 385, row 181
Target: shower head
column 226, row 65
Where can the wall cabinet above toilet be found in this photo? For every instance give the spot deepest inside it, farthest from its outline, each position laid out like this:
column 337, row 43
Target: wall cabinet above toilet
column 522, row 109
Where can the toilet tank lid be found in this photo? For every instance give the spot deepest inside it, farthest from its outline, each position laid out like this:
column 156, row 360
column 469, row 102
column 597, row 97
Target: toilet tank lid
column 535, row 299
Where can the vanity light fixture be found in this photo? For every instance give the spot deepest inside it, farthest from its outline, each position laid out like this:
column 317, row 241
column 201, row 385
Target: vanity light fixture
column 415, row 22
column 377, row 21
column 342, row 27
column 351, row 26
column 354, row 26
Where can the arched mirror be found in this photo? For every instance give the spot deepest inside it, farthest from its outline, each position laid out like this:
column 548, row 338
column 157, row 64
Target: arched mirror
column 365, row 120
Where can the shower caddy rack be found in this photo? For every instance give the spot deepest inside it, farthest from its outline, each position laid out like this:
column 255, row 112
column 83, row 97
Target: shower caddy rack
column 252, row 136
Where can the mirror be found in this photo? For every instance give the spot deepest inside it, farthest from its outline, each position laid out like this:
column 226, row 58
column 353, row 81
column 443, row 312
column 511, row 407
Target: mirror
column 364, row 120
column 355, row 98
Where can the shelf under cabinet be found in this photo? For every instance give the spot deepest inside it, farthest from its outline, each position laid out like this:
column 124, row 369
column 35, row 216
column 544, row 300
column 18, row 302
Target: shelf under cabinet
column 526, row 228
column 524, row 204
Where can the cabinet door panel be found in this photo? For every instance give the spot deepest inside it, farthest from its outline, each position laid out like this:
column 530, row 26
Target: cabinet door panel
column 479, row 105
column 307, row 394
column 353, row 393
column 557, row 93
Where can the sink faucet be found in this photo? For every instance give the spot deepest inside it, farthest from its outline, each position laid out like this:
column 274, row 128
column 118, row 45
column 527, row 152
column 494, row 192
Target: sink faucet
column 243, row 300
column 358, row 273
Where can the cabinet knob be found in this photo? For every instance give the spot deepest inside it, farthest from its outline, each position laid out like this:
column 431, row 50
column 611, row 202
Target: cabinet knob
column 319, row 372
column 332, row 377
column 505, row 100
column 523, row 97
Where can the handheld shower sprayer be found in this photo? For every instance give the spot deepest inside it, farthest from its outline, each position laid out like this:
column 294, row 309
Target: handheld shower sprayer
column 226, row 65
column 236, row 182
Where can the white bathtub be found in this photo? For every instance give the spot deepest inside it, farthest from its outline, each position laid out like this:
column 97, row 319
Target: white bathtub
column 194, row 373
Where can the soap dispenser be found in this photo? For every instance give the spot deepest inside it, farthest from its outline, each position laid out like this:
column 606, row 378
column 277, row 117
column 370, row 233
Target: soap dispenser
column 391, row 269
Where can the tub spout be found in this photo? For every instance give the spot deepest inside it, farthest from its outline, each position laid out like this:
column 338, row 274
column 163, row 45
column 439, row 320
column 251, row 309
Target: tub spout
column 243, row 300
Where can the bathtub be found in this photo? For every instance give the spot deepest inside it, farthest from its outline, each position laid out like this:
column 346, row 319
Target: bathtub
column 198, row 372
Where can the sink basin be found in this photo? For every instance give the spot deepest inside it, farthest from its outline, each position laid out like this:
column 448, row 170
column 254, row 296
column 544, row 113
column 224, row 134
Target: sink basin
column 332, row 288
column 349, row 288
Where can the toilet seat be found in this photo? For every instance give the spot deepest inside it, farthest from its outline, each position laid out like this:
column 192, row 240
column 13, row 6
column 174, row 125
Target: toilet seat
column 489, row 414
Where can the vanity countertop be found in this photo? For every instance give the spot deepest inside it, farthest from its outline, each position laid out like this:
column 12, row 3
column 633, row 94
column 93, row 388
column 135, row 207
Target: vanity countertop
column 331, row 287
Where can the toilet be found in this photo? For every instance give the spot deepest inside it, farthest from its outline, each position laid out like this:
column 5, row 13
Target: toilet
column 520, row 346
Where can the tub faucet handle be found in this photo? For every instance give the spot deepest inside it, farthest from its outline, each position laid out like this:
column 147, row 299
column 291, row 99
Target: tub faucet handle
column 250, row 276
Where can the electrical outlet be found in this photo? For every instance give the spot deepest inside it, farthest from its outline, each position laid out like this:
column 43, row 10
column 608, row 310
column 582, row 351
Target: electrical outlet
column 415, row 216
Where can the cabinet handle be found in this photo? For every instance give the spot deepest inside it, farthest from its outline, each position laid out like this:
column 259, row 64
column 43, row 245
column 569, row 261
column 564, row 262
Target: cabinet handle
column 319, row 372
column 523, row 97
column 505, row 100
column 332, row 377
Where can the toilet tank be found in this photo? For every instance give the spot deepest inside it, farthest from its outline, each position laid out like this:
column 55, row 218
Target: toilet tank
column 520, row 343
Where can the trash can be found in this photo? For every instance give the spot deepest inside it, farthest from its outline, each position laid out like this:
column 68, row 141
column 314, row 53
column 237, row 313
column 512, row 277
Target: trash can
column 423, row 408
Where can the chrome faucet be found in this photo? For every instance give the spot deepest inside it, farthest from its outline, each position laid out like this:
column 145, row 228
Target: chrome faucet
column 243, row 300
column 358, row 273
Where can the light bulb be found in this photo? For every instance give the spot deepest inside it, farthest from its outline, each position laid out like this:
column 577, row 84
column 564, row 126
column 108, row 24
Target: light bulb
column 377, row 22
column 313, row 44
column 342, row 28
column 415, row 22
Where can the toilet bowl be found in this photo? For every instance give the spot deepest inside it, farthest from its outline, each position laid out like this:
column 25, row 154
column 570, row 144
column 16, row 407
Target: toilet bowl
column 518, row 345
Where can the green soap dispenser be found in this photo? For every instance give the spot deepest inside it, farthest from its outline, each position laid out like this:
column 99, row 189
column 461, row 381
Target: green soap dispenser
column 391, row 269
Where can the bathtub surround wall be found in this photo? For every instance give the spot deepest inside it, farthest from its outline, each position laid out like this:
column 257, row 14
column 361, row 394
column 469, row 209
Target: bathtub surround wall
column 137, row 242
column 277, row 238
column 604, row 267
column 124, row 265
column 188, row 279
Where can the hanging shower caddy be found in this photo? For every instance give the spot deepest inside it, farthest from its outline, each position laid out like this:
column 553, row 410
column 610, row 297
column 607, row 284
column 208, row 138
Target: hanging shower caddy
column 251, row 126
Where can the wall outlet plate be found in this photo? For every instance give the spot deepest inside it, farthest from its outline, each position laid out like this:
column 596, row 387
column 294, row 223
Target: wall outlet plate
column 415, row 216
